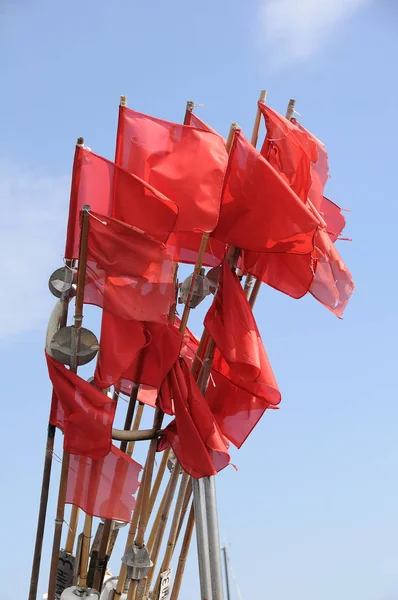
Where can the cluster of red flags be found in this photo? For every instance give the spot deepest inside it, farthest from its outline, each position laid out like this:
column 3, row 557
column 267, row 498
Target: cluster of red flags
column 169, row 184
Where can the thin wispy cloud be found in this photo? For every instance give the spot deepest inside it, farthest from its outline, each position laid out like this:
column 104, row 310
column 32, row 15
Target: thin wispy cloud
column 32, row 238
column 295, row 30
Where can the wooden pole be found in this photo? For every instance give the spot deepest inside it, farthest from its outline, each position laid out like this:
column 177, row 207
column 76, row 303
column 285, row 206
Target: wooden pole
column 183, row 555
column 156, row 523
column 254, row 139
column 158, row 480
column 88, row 522
column 81, row 280
column 171, row 542
column 136, row 425
column 169, row 495
column 257, row 284
column 187, row 499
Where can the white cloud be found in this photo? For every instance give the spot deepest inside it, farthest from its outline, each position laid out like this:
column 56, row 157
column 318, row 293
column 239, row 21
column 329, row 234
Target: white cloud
column 293, row 30
column 32, row 238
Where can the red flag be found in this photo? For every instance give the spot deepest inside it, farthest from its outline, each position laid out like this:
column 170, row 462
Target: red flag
column 289, row 150
column 335, row 221
column 184, row 248
column 194, row 434
column 194, row 121
column 319, row 168
column 120, row 342
column 128, row 273
column 322, row 273
column 332, row 284
column 184, row 163
column 112, row 191
column 151, row 365
column 103, row 488
column 241, row 359
column 87, row 414
column 259, row 211
column 291, row 274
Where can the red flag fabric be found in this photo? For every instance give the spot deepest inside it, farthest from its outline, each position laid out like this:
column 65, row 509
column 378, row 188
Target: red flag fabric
column 152, row 364
column 332, row 284
column 128, row 273
column 184, row 163
column 289, row 150
column 121, row 341
column 335, row 221
column 241, row 360
column 194, row 434
column 184, row 248
column 87, row 414
column 291, row 274
column 194, row 121
column 110, row 190
column 319, row 168
column 103, row 488
column 322, row 273
column 259, row 211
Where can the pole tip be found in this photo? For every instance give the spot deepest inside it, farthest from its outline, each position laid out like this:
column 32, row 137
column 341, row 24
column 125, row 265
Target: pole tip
column 263, row 95
column 290, row 108
column 86, row 208
column 80, row 141
column 123, row 100
column 190, row 105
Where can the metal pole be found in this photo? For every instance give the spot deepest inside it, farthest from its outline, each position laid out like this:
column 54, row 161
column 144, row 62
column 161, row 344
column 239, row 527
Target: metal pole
column 202, row 540
column 214, row 537
column 224, row 551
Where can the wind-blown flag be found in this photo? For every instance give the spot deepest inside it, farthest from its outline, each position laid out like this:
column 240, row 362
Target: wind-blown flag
column 184, row 163
column 301, row 159
column 110, row 190
column 128, row 273
column 259, row 211
column 84, row 413
column 245, row 385
column 103, row 488
column 194, row 434
column 148, row 366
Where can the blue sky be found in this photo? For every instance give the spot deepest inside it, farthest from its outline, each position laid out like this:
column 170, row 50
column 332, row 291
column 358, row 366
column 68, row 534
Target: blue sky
column 312, row 511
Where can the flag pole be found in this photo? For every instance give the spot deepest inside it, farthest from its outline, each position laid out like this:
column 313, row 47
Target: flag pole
column 48, row 457
column 41, row 521
column 183, row 555
column 254, row 139
column 81, row 279
column 257, row 284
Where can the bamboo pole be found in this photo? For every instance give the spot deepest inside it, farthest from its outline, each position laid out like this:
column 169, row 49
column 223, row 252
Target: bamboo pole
column 88, row 523
column 65, row 459
column 171, row 542
column 257, row 284
column 130, row 539
column 156, row 523
column 158, row 480
column 169, row 495
column 136, row 425
column 72, row 530
column 183, row 555
column 254, row 139
column 187, row 499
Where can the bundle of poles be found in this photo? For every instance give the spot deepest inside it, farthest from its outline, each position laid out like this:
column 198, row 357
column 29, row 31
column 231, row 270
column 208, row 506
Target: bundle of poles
column 193, row 497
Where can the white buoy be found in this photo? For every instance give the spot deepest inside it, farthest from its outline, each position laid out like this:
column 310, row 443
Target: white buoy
column 75, row 592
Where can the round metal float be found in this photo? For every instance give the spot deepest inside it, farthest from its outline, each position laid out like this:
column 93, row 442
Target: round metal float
column 74, row 347
column 61, row 282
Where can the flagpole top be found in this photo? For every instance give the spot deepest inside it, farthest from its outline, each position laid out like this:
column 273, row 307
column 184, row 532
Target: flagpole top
column 123, row 100
column 263, row 95
column 290, row 109
column 80, row 142
column 190, row 105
